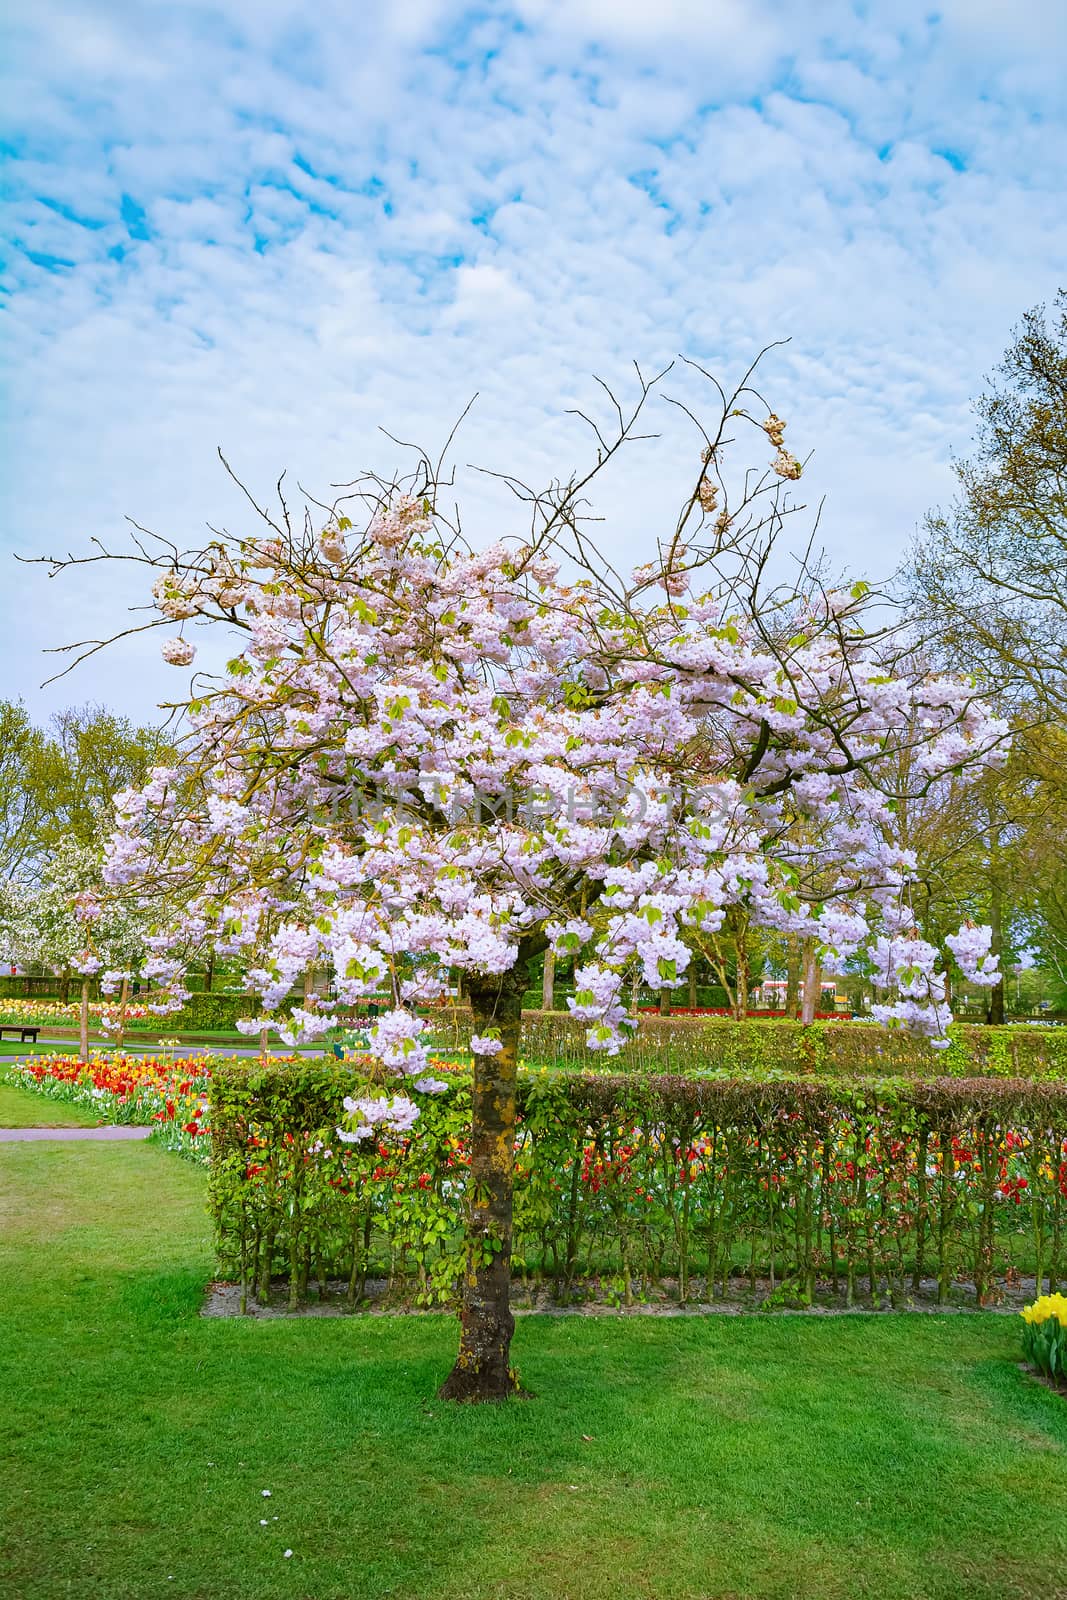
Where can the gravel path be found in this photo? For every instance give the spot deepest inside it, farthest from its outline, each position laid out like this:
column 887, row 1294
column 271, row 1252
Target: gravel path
column 16, row 1135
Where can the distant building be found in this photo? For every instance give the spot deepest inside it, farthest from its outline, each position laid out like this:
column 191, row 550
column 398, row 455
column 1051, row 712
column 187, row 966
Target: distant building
column 770, row 995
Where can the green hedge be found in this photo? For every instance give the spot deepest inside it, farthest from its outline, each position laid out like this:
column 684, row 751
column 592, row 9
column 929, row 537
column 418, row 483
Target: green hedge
column 656, row 1184
column 16, row 987
column 207, row 1013
column 711, row 995
column 718, row 1044
column 203, row 1012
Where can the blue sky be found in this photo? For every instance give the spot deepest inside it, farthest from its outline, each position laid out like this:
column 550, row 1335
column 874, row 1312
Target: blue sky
column 274, row 227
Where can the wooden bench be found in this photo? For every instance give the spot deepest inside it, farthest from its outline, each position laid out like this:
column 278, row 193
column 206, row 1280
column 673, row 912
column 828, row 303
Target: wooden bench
column 28, row 1035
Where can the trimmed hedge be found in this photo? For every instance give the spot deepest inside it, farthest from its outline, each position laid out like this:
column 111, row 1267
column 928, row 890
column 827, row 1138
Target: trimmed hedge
column 201, row 1013
column 718, row 1044
column 207, row 1013
column 19, row 988
column 826, row 1185
column 708, row 995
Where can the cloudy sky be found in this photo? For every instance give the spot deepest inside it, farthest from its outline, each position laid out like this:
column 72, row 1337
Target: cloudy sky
column 274, row 227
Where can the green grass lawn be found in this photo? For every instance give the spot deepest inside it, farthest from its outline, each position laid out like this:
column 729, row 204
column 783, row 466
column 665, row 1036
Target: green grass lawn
column 20, row 1108
column 13, row 1047
column 52, row 1047
column 133, row 1041
column 132, row 1046
column 743, row 1457
column 149, row 1032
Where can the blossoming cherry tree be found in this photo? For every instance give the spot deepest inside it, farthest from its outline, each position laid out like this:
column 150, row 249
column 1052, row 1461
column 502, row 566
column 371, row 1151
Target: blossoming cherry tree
column 426, row 759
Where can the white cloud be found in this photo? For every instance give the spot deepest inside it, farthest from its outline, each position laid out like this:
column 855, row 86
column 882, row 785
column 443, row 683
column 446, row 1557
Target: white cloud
column 483, row 295
column 351, row 216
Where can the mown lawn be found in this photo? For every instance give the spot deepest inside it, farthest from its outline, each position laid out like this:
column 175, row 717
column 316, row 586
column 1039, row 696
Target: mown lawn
column 20, row 1108
column 744, row 1457
column 13, row 1047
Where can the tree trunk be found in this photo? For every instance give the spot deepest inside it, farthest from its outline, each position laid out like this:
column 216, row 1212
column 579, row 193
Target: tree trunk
column 264, row 1041
column 83, row 1023
column 810, row 998
column 548, row 982
column 483, row 1367
column 120, row 1036
column 309, row 983
column 995, row 1010
column 693, row 984
column 792, row 977
column 741, row 968
column 209, row 972
column 665, row 1002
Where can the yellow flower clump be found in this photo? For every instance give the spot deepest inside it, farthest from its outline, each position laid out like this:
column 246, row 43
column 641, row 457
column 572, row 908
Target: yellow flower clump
column 1046, row 1308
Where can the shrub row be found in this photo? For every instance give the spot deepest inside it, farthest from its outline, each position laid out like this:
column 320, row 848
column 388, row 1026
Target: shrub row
column 206, row 1013
column 660, row 1184
column 11, row 986
column 707, row 994
column 718, row 1044
column 201, row 1013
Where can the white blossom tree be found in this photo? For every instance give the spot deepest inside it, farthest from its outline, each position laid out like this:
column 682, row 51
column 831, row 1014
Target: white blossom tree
column 472, row 757
column 69, row 922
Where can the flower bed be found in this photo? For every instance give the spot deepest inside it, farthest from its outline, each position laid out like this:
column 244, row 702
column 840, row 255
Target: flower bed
column 881, row 1190
column 201, row 1012
column 755, row 1014
column 68, row 1015
column 140, row 1090
column 171, row 1092
column 1045, row 1337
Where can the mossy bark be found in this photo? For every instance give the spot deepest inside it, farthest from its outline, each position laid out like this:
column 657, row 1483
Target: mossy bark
column 792, row 979
column 810, row 983
column 995, row 1009
column 548, row 982
column 120, row 1036
column 83, row 1023
column 483, row 1366
column 742, row 979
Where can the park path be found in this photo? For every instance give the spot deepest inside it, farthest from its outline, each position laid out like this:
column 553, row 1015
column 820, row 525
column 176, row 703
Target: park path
column 16, row 1135
column 235, row 1051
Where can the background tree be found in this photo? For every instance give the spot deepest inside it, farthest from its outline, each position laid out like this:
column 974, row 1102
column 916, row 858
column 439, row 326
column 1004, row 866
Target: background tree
column 23, row 789
column 988, row 576
column 90, row 754
column 69, row 923
column 1039, row 880
column 57, row 782
column 973, row 844
column 987, row 586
